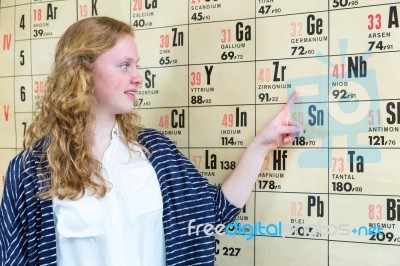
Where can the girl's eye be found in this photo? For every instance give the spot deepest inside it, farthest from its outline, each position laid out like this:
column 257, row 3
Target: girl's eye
column 124, row 66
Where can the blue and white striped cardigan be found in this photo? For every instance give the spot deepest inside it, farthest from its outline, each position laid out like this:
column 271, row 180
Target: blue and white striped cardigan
column 27, row 232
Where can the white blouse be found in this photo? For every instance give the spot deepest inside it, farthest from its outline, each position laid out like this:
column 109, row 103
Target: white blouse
column 123, row 228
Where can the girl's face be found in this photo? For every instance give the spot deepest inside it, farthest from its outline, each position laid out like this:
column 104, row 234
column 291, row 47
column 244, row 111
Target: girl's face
column 116, row 78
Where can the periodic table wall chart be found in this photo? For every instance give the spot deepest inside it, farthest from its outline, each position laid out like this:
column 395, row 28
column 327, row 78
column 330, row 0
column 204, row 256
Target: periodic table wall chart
column 214, row 72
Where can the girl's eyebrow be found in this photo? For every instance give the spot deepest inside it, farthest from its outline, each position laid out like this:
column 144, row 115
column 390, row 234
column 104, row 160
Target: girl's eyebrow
column 131, row 59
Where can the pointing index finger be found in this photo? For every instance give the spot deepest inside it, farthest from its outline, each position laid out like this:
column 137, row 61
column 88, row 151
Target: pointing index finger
column 291, row 100
column 289, row 104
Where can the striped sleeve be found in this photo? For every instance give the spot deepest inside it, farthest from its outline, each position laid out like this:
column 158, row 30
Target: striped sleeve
column 225, row 212
column 13, row 249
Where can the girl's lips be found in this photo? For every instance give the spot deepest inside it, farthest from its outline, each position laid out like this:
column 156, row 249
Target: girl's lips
column 130, row 93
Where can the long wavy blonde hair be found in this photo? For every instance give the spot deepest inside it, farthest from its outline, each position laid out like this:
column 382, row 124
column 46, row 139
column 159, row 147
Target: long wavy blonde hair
column 67, row 110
